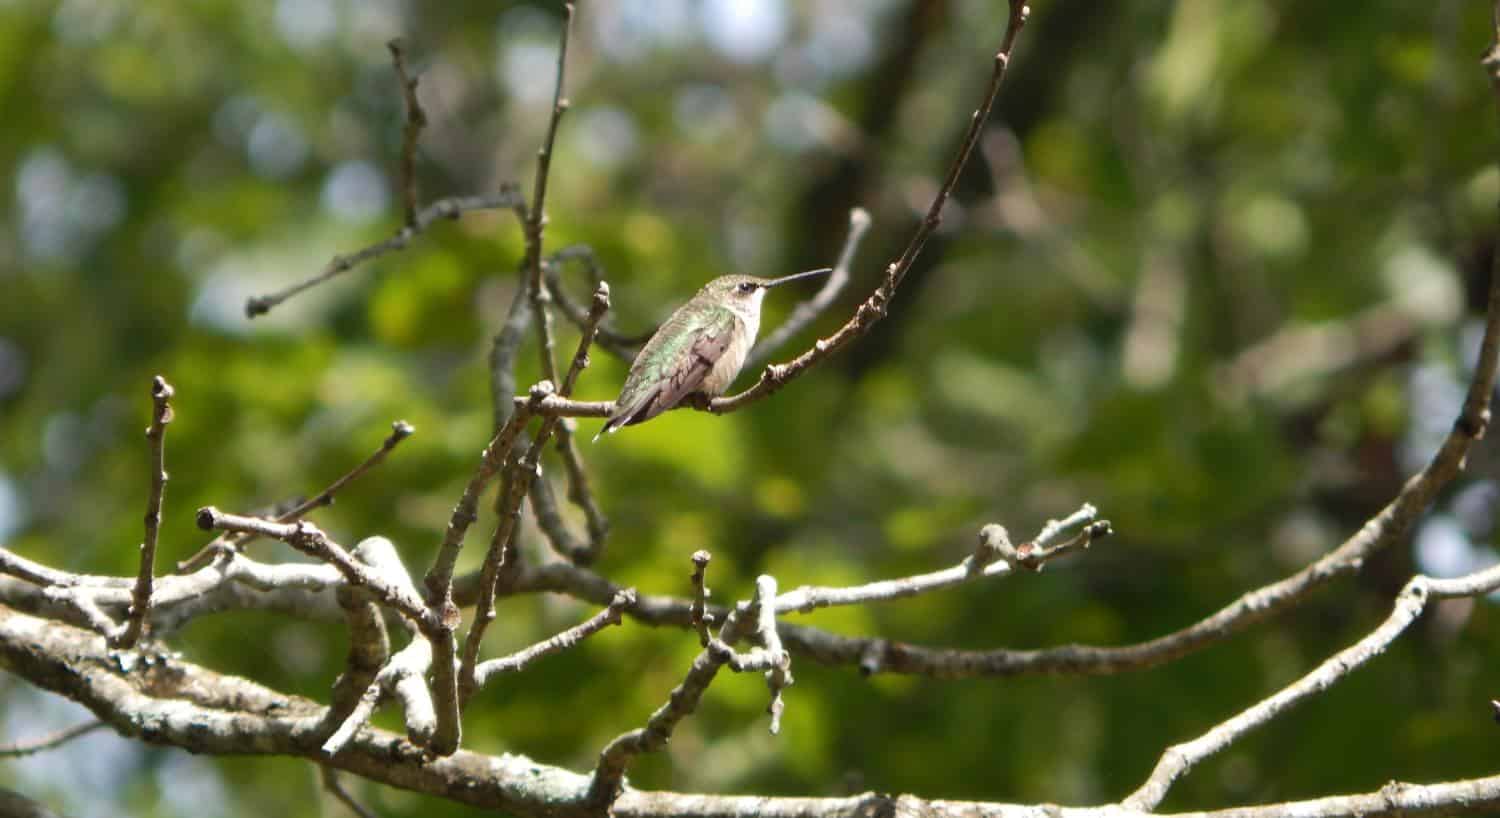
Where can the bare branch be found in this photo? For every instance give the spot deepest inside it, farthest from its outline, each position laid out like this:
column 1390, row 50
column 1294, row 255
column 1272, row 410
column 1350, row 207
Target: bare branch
column 1180, row 758
column 538, row 214
column 549, row 517
column 38, row 574
column 449, row 208
column 439, row 579
column 869, row 654
column 416, row 120
column 39, row 744
column 400, row 430
column 609, row 774
column 519, row 660
column 701, row 618
column 140, row 606
column 501, row 553
column 309, row 539
column 809, row 310
column 565, row 407
column 994, row 556
column 503, row 350
column 231, row 715
column 536, row 221
column 581, row 494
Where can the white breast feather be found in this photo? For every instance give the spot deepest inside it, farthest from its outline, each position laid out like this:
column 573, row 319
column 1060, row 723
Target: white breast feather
column 722, row 375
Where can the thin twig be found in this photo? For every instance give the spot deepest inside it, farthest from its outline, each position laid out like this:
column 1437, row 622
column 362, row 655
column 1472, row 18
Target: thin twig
column 27, row 747
column 534, row 224
column 334, row 788
column 994, row 556
column 536, row 221
column 538, row 215
column 808, row 311
column 581, row 494
column 416, row 120
column 140, row 606
column 701, row 618
column 518, row 661
column 439, row 579
column 400, row 430
column 450, row 208
column 549, row 518
column 503, row 350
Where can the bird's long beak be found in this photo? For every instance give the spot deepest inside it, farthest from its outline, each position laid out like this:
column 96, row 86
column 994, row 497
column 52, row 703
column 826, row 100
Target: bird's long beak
column 776, row 282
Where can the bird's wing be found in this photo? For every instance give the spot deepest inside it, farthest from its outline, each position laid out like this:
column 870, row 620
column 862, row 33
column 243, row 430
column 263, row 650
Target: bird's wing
column 694, row 349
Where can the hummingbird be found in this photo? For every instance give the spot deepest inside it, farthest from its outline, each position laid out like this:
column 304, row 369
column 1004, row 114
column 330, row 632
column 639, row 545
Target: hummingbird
column 699, row 349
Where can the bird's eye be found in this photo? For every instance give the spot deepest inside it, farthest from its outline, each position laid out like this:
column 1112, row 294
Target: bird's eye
column 746, row 287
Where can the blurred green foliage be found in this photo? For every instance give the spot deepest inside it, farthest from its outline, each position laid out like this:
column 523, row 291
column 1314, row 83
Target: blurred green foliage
column 1165, row 186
